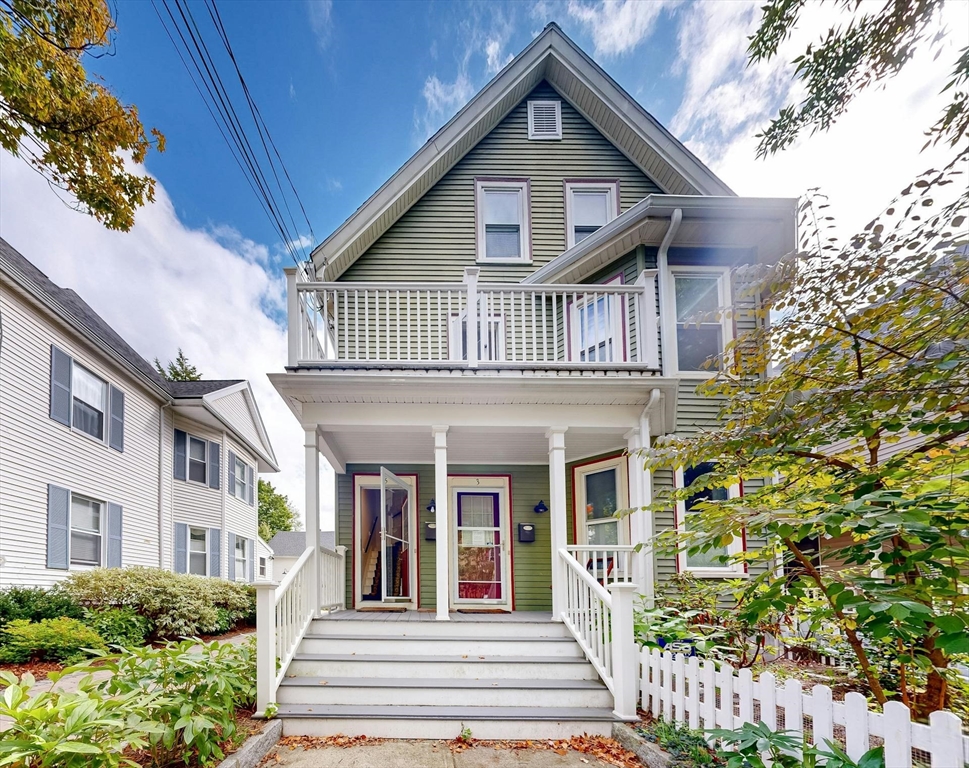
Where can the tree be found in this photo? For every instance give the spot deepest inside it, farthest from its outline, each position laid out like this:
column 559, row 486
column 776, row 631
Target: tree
column 67, row 125
column 275, row 512
column 870, row 48
column 179, row 370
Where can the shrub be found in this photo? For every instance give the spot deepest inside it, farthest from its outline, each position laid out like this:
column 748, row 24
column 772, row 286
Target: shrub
column 757, row 746
column 119, row 626
column 81, row 729
column 686, row 747
column 36, row 603
column 176, row 604
column 61, row 639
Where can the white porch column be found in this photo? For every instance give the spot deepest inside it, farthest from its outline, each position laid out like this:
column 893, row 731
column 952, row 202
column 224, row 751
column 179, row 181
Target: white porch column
column 442, row 538
column 641, row 522
column 313, row 512
column 556, row 493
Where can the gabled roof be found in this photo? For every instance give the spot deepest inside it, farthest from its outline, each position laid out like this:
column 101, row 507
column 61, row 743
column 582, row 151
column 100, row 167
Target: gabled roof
column 200, row 388
column 551, row 57
column 292, row 543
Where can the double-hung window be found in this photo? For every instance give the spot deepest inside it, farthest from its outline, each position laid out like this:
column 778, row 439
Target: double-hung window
column 263, row 567
column 241, row 488
column 712, row 562
column 600, row 491
column 242, row 556
column 90, row 396
column 589, row 205
column 197, row 469
column 198, row 551
column 702, row 330
column 502, row 215
column 87, row 519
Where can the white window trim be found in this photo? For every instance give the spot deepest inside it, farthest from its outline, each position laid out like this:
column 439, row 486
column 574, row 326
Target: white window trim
column 618, row 309
column 262, row 567
column 523, row 186
column 670, row 349
column 245, row 479
column 735, row 547
column 246, row 558
column 532, row 136
column 609, row 186
column 102, row 518
column 456, row 347
column 622, row 496
column 188, row 549
column 188, row 459
column 105, row 414
column 468, row 484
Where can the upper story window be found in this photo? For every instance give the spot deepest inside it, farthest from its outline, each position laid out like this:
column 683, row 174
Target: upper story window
column 589, row 205
column 90, row 402
column 84, row 401
column 241, row 489
column 544, row 120
column 601, row 490
column 712, row 562
column 702, row 332
column 197, row 460
column 197, row 465
column 242, row 479
column 501, row 213
column 86, row 521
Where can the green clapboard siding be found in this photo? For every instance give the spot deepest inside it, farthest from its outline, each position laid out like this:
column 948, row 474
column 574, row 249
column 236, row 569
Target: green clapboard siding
column 531, row 563
column 435, row 239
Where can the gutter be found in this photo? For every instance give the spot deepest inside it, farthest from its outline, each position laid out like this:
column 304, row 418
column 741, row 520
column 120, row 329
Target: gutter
column 191, row 401
column 161, row 480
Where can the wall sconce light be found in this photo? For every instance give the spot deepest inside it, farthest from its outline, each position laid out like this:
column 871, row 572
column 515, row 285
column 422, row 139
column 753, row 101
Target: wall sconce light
column 432, row 508
column 540, row 508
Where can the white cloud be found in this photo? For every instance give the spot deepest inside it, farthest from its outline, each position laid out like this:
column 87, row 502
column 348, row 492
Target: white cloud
column 442, row 101
column 333, row 185
column 495, row 58
column 618, row 26
column 214, row 293
column 321, row 21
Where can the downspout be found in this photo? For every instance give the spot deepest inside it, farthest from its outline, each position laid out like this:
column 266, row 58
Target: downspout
column 662, row 271
column 161, row 481
column 646, row 477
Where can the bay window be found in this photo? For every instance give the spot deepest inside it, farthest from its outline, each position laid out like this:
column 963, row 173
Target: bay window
column 701, row 334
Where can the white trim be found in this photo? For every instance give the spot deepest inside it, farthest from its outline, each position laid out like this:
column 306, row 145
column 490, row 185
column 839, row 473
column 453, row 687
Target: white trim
column 188, row 549
column 521, row 186
column 101, row 534
column 245, row 478
column 466, row 484
column 617, row 310
column 188, row 458
column 372, row 481
column 106, row 404
column 456, row 340
column 732, row 571
column 668, row 314
column 611, row 188
column 622, row 497
column 248, row 547
column 532, row 136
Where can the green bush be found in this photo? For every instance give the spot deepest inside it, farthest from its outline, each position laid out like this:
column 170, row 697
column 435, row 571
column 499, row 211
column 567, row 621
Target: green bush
column 61, row 639
column 119, row 626
column 36, row 603
column 176, row 604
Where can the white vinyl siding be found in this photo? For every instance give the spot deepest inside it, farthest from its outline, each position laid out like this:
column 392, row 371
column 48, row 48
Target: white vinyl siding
column 241, row 518
column 502, row 209
column 235, row 408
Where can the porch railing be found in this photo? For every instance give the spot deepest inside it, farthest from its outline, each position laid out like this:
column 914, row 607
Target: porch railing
column 601, row 620
column 284, row 612
column 608, row 564
column 472, row 324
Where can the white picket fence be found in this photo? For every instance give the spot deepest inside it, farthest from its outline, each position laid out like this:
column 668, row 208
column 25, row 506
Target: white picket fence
column 709, row 695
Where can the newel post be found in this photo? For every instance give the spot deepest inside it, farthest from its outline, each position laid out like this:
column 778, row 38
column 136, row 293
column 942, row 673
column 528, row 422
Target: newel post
column 265, row 645
column 625, row 659
column 292, row 315
column 342, row 577
column 471, row 280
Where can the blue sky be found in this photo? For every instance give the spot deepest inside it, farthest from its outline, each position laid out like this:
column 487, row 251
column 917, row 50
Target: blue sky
column 351, row 89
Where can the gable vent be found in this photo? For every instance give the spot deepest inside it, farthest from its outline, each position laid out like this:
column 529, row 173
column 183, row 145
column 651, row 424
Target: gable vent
column 544, row 120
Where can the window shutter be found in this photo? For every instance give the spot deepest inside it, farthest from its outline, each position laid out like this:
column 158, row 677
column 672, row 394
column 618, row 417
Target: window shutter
column 116, row 425
column 181, row 547
column 232, row 556
column 60, row 386
column 252, row 483
column 251, row 546
column 181, row 448
column 215, row 466
column 115, row 527
column 232, row 477
column 58, row 527
column 215, row 552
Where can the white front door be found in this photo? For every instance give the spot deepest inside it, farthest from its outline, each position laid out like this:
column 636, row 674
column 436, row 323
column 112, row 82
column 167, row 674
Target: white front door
column 480, row 567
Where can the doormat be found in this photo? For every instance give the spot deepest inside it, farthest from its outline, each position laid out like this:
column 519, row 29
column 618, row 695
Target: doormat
column 482, row 610
column 382, row 609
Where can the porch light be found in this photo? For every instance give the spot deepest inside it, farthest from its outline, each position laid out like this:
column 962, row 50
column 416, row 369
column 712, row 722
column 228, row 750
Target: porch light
column 431, row 507
column 540, row 508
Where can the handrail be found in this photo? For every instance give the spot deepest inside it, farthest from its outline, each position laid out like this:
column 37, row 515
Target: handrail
column 581, row 288
column 291, row 574
column 584, row 575
column 370, row 537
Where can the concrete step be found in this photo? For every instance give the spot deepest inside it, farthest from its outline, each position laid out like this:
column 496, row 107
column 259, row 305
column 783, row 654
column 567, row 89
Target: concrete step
column 397, row 666
column 420, row 645
column 444, row 722
column 354, row 691
column 390, row 625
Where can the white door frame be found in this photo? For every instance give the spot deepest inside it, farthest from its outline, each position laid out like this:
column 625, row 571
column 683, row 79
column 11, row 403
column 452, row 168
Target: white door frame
column 371, row 480
column 501, row 485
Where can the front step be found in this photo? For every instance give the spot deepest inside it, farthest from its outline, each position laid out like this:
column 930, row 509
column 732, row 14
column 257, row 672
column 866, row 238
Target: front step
column 455, row 667
column 443, row 722
column 422, row 645
column 541, row 626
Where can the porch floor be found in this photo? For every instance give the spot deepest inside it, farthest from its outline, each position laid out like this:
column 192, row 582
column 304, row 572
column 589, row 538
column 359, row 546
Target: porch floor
column 478, row 618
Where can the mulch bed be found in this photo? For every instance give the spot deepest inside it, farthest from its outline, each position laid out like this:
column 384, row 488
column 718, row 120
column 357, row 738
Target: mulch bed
column 39, row 669
column 246, row 728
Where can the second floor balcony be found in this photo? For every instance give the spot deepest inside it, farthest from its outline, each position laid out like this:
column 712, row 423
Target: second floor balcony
column 474, row 325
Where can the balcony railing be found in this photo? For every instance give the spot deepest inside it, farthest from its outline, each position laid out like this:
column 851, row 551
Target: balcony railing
column 473, row 325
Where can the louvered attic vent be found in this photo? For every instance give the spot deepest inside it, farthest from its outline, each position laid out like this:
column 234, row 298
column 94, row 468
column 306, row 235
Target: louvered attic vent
column 544, row 120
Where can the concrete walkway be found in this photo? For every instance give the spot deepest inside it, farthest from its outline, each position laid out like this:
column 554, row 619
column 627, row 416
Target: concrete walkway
column 424, row 754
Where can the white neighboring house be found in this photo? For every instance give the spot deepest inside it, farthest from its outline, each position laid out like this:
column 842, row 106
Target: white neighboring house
column 287, row 546
column 105, row 463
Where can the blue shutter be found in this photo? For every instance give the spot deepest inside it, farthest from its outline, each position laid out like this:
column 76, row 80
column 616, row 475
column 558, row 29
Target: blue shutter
column 61, row 366
column 58, row 527
column 116, row 424
column 232, row 556
column 114, row 535
column 252, row 484
column 215, row 466
column 215, row 552
column 232, row 479
column 251, row 546
column 181, row 450
column 181, row 547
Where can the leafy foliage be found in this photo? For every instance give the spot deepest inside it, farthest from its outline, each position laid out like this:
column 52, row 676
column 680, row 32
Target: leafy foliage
column 68, row 126
column 82, row 729
column 275, row 512
column 36, row 603
column 119, row 626
column 62, row 639
column 750, row 743
column 686, row 747
column 870, row 48
column 175, row 604
column 179, row 369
